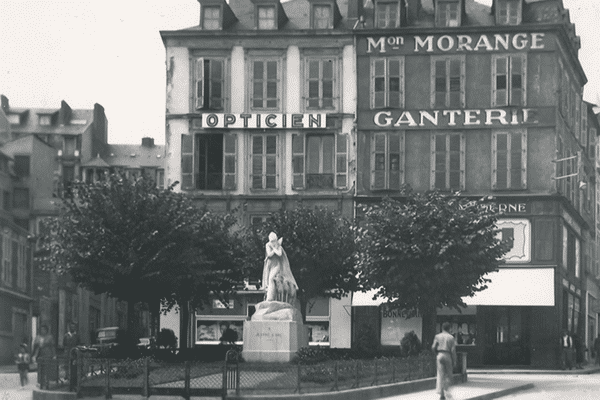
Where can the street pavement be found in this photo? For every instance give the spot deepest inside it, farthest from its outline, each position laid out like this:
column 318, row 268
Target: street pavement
column 10, row 385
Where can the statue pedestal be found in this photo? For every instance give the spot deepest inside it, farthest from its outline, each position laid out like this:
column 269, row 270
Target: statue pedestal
column 273, row 341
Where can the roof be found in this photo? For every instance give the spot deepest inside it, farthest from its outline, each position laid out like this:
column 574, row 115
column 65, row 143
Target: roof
column 96, row 162
column 80, row 121
column 135, row 156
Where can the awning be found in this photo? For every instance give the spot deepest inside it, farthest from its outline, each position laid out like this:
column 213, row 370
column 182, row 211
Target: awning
column 517, row 287
column 508, row 287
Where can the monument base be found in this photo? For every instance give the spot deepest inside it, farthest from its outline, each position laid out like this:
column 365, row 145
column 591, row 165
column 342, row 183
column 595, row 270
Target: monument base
column 273, row 341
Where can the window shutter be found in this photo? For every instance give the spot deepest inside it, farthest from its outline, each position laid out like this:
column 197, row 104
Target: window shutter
column 298, row 161
column 463, row 81
column 395, row 163
column 187, row 162
column 462, row 161
column 229, row 161
column 524, row 160
column 379, row 161
column 341, row 160
column 500, row 76
column 199, row 83
column 432, row 162
column 494, row 159
column 584, row 126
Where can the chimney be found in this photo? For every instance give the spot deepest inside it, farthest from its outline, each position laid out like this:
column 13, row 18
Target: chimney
column 64, row 115
column 4, row 102
column 413, row 7
column 147, row 142
column 355, row 9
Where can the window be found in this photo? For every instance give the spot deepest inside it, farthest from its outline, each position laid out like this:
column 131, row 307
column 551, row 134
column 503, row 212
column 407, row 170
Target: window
column 45, row 120
column 508, row 12
column 509, row 160
column 6, row 258
column 320, row 78
column 13, row 119
column 319, row 161
column 209, row 84
column 387, row 160
column 448, row 82
column 448, row 161
column 211, row 18
column 70, row 146
column 322, row 16
column 266, row 17
column 160, row 178
column 447, row 13
column 21, row 198
column 264, row 162
column 584, row 124
column 387, row 14
column 387, row 82
column 265, row 84
column 209, row 163
column 22, row 166
column 509, row 80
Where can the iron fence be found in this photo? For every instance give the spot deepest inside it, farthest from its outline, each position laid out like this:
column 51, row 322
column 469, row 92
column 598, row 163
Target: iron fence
column 92, row 376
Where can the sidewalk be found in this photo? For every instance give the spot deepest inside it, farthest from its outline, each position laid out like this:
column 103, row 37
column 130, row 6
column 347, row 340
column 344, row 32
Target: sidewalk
column 476, row 388
column 587, row 369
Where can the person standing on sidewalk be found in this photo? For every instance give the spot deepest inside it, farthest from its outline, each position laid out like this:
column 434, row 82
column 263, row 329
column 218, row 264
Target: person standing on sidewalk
column 22, row 359
column 44, row 351
column 444, row 346
column 566, row 351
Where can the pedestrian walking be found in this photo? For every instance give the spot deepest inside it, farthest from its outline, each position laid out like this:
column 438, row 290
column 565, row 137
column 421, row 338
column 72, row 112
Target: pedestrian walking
column 578, row 348
column 444, row 346
column 22, row 359
column 597, row 349
column 44, row 351
column 566, row 350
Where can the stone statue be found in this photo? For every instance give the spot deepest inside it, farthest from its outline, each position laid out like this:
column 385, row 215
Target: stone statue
column 277, row 279
column 279, row 285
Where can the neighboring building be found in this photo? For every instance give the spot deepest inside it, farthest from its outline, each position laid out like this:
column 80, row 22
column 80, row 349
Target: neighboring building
column 260, row 116
column 50, row 148
column 16, row 267
column 488, row 101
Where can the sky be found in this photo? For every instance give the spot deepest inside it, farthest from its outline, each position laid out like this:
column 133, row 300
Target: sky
column 110, row 52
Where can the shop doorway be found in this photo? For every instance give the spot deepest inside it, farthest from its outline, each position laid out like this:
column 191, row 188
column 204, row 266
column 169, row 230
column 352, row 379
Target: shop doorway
column 507, row 336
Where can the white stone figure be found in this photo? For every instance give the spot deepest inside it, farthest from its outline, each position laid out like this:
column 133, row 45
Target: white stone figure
column 277, row 279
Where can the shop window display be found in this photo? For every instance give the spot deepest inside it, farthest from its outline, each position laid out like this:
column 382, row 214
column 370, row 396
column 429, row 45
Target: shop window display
column 463, row 329
column 210, row 332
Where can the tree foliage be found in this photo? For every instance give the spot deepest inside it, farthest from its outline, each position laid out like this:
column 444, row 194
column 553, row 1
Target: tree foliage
column 139, row 243
column 428, row 250
column 319, row 244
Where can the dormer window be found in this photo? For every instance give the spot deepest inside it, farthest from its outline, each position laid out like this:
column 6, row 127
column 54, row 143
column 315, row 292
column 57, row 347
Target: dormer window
column 447, row 13
column 508, row 12
column 269, row 14
column 387, row 14
column 45, row 120
column 322, row 16
column 266, row 17
column 14, row 119
column 211, row 18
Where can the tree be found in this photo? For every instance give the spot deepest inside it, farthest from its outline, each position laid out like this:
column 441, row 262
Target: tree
column 319, row 244
column 428, row 250
column 138, row 243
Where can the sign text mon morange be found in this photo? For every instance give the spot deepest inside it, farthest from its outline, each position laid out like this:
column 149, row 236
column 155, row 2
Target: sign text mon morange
column 458, row 43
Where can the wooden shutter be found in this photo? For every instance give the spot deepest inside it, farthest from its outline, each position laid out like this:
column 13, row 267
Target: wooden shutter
column 298, row 161
column 518, row 68
column 524, row 159
column 341, row 160
column 199, row 83
column 500, row 80
column 229, row 161
column 187, row 162
column 379, row 161
column 395, row 166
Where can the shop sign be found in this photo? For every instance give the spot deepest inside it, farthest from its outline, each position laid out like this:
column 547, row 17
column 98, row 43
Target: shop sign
column 454, row 43
column 456, row 118
column 397, row 323
column 518, row 233
column 262, row 121
column 507, row 208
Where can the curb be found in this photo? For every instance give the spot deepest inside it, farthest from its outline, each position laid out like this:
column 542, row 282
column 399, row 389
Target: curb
column 535, row 372
column 503, row 392
column 39, row 394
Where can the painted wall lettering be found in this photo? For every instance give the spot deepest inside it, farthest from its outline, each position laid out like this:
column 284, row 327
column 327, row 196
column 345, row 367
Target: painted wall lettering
column 262, row 121
column 456, row 43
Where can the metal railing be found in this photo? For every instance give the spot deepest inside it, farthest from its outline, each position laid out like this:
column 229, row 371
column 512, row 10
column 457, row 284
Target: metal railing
column 88, row 375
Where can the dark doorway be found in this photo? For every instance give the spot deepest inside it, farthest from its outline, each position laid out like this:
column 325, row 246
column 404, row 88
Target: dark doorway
column 507, row 335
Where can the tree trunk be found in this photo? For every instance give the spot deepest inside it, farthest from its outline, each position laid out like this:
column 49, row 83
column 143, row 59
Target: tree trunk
column 429, row 323
column 185, row 324
column 131, row 317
